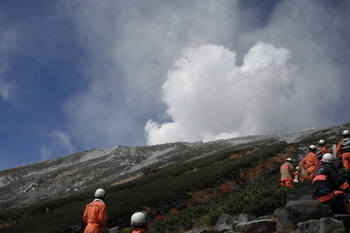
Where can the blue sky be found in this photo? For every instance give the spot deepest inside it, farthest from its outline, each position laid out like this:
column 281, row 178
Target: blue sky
column 80, row 75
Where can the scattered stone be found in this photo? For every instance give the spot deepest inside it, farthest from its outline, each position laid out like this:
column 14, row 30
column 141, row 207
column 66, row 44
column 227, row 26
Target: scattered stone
column 300, row 211
column 114, row 230
column 257, row 226
column 324, row 225
column 298, row 216
column 223, row 223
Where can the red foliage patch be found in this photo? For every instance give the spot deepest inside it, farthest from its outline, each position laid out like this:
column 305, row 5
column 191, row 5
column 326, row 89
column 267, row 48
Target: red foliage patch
column 159, row 218
column 174, row 211
column 188, row 204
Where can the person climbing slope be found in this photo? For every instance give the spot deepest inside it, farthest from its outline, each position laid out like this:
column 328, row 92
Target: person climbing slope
column 139, row 221
column 322, row 149
column 329, row 188
column 343, row 149
column 310, row 162
column 287, row 172
column 95, row 214
column 303, row 172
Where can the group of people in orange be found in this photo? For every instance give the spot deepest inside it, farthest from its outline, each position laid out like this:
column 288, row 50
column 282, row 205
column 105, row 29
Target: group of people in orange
column 306, row 168
column 321, row 167
column 311, row 162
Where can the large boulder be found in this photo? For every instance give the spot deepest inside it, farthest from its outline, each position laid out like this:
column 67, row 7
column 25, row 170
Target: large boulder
column 300, row 211
column 301, row 214
column 256, row 226
column 223, row 224
column 345, row 218
column 226, row 223
column 305, row 193
column 324, row 225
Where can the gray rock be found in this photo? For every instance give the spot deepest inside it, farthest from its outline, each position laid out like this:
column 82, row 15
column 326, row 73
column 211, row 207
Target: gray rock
column 301, row 215
column 223, row 222
column 243, row 218
column 114, row 230
column 257, row 226
column 303, row 193
column 345, row 218
column 224, row 228
column 301, row 211
column 282, row 220
column 324, row 225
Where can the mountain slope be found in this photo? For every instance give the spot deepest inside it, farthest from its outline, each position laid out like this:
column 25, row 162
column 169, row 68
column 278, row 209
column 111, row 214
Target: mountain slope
column 74, row 175
column 78, row 172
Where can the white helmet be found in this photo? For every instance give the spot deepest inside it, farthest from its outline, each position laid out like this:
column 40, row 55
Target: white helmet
column 297, row 168
column 100, row 193
column 328, row 158
column 289, row 159
column 346, row 133
column 312, row 148
column 139, row 219
column 322, row 142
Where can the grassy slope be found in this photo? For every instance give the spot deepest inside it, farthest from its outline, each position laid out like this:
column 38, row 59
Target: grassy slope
column 183, row 196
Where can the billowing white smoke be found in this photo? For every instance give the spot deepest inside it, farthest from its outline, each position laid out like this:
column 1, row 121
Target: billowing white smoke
column 209, row 97
column 294, row 77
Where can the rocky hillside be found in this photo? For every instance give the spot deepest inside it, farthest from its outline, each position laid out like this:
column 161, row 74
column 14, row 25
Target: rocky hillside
column 82, row 171
column 189, row 178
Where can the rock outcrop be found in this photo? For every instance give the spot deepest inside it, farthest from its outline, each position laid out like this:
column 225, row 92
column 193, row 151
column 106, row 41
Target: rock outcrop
column 301, row 214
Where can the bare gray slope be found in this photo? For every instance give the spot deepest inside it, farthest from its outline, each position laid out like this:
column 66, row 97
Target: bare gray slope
column 86, row 170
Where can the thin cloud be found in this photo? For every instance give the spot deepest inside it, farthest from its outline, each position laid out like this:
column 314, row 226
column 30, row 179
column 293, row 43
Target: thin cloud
column 60, row 142
column 8, row 44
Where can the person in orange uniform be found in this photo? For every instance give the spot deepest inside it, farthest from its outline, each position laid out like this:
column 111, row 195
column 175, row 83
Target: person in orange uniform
column 139, row 221
column 343, row 149
column 303, row 172
column 287, row 173
column 310, row 162
column 330, row 188
column 95, row 214
column 322, row 149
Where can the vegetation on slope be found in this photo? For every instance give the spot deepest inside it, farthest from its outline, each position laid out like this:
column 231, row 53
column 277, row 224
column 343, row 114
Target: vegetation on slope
column 174, row 193
column 178, row 197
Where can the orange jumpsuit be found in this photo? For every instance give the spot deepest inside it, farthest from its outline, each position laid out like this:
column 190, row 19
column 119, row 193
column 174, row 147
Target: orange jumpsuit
column 95, row 215
column 321, row 150
column 324, row 150
column 343, row 152
column 286, row 171
column 310, row 163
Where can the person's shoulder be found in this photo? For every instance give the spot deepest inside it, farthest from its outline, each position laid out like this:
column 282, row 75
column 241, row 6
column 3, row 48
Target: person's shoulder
column 329, row 166
column 97, row 202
